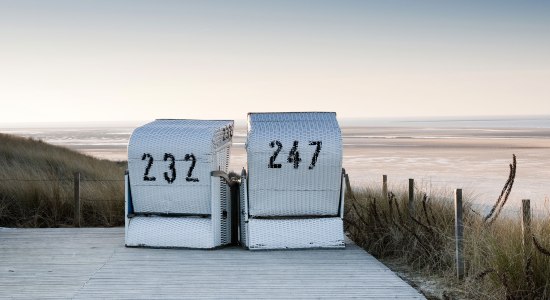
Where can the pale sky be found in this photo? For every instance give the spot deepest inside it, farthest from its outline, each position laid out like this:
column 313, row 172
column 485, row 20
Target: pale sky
column 140, row 60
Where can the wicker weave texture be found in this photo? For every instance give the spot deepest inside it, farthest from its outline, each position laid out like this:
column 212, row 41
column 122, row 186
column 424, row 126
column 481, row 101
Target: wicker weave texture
column 170, row 232
column 294, row 164
column 225, row 210
column 172, row 199
column 342, row 194
column 298, row 203
column 170, row 161
column 178, row 136
column 127, row 203
column 295, row 233
column 243, row 225
column 221, row 212
column 186, row 232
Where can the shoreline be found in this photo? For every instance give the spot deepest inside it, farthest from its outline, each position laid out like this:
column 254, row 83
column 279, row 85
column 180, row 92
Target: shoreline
column 475, row 159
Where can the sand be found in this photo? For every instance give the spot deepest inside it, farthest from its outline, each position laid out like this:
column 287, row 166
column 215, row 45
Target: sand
column 438, row 158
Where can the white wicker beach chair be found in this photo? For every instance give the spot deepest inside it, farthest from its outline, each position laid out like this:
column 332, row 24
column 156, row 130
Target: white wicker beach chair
column 176, row 191
column 292, row 196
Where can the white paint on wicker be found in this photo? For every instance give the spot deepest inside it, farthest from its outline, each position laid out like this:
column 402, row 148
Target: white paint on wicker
column 207, row 201
column 289, row 233
column 295, row 233
column 243, row 216
column 289, row 191
column 224, row 214
column 297, row 203
column 127, row 202
column 207, row 141
column 216, row 215
column 287, row 206
column 172, row 199
column 186, row 232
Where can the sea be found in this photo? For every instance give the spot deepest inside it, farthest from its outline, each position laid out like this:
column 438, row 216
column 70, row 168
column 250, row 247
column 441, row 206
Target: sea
column 440, row 154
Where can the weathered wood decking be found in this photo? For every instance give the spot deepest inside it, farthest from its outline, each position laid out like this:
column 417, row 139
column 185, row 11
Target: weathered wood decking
column 83, row 263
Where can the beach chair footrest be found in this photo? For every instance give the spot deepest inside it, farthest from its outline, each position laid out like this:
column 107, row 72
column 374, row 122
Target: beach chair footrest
column 172, row 232
column 295, row 233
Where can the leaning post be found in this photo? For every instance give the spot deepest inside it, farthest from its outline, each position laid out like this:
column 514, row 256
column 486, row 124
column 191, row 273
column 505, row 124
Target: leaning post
column 348, row 186
column 411, row 198
column 459, row 235
column 77, row 199
column 385, row 194
column 385, row 187
column 526, row 230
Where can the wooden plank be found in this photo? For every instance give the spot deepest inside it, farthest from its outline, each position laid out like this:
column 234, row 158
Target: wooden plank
column 85, row 263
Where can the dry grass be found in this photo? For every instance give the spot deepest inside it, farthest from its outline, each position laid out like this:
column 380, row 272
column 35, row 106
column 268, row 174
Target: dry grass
column 36, row 190
column 495, row 265
column 36, row 186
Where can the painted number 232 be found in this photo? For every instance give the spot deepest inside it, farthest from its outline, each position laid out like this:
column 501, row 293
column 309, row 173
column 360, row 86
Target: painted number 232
column 169, row 177
column 294, row 154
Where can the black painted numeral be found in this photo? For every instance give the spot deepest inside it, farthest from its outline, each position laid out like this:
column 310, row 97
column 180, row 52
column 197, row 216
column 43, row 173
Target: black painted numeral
column 273, row 157
column 146, row 176
column 172, row 167
column 191, row 157
column 227, row 133
column 315, row 154
column 170, row 177
column 294, row 155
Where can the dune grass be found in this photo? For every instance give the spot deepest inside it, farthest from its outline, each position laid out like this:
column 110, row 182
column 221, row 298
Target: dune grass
column 36, row 190
column 496, row 267
column 36, row 186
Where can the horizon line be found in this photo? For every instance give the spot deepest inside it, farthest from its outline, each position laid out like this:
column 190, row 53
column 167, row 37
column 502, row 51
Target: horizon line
column 348, row 120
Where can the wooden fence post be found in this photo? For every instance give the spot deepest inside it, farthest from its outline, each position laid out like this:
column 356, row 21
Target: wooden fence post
column 385, row 187
column 459, row 235
column 411, row 198
column 77, row 199
column 526, row 229
column 348, row 186
column 385, row 194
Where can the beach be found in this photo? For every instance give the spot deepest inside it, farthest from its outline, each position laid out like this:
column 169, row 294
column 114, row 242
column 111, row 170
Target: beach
column 440, row 155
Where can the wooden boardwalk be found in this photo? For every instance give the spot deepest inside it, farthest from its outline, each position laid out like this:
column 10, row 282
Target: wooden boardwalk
column 86, row 263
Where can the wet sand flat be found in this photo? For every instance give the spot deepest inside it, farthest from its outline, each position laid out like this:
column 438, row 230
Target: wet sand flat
column 472, row 158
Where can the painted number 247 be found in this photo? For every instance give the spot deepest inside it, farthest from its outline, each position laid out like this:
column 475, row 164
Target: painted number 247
column 294, row 154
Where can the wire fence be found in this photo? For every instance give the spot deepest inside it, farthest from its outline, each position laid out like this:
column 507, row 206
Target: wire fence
column 60, row 179
column 51, row 201
column 86, row 186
